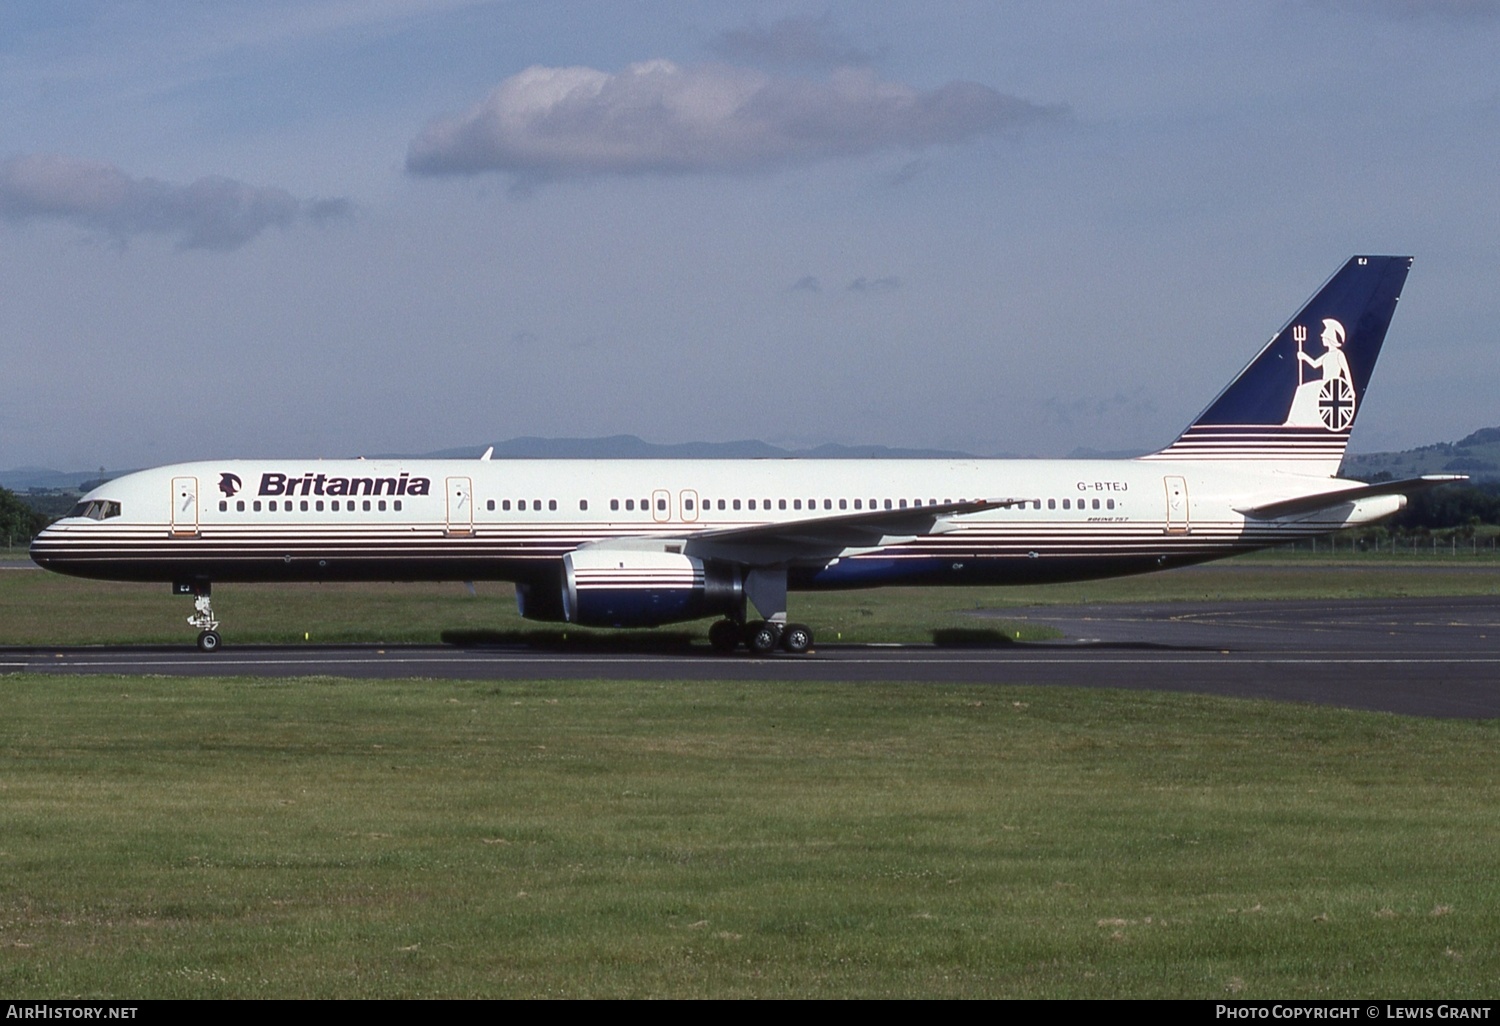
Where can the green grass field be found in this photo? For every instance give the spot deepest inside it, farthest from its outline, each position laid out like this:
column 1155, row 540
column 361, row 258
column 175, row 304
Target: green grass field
column 313, row 837
column 320, row 838
column 38, row 608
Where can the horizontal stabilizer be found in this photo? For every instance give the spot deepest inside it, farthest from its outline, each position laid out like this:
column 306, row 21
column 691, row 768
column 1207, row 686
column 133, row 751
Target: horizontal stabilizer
column 1327, row 500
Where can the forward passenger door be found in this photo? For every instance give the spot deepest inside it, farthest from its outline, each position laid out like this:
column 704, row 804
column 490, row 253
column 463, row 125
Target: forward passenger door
column 184, row 507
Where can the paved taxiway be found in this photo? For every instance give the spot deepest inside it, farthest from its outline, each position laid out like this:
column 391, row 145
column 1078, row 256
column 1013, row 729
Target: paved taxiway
column 1428, row 657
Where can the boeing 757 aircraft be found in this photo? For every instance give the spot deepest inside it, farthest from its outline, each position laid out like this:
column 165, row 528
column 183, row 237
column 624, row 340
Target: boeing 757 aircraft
column 639, row 543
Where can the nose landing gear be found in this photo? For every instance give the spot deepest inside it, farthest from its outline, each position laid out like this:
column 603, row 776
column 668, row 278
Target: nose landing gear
column 203, row 615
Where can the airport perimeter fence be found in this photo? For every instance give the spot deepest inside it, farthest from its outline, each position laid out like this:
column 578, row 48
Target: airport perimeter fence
column 1433, row 544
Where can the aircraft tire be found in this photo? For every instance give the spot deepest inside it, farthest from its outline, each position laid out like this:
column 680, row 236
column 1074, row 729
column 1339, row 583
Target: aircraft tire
column 797, row 638
column 761, row 638
column 209, row 641
column 725, row 636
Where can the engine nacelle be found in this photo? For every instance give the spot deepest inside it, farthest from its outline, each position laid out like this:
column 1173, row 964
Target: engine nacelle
column 605, row 587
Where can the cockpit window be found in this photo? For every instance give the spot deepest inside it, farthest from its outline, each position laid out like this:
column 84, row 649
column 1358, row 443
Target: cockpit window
column 96, row 509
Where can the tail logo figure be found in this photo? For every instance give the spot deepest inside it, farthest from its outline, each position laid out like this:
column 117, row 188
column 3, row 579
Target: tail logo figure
column 1327, row 400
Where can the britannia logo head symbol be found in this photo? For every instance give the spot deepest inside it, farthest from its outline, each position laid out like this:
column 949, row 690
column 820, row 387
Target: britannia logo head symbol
column 229, row 484
column 1333, row 334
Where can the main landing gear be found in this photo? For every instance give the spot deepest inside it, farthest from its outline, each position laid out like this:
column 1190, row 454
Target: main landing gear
column 761, row 637
column 203, row 615
column 765, row 588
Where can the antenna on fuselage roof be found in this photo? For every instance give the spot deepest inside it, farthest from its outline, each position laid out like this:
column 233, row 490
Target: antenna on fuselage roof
column 487, row 454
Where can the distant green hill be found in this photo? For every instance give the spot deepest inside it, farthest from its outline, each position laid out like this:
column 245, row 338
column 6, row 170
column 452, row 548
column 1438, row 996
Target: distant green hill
column 1478, row 455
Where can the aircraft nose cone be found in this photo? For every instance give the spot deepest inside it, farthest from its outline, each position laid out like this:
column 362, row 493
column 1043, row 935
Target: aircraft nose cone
column 40, row 546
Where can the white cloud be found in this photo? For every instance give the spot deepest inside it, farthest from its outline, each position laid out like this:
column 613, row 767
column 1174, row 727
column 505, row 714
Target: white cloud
column 659, row 118
column 210, row 213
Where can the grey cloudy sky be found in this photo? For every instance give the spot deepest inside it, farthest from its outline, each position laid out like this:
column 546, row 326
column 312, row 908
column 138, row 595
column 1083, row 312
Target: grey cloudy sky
column 325, row 228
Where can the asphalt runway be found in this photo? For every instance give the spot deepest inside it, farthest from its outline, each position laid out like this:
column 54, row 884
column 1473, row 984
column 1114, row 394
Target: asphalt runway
column 1425, row 657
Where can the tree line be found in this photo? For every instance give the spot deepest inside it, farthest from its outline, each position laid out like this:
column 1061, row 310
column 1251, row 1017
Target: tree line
column 19, row 521
column 1449, row 506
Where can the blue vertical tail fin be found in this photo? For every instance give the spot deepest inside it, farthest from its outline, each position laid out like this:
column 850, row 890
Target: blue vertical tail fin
column 1297, row 400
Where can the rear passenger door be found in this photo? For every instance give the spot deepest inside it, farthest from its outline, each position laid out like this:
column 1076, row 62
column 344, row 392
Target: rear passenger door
column 460, row 506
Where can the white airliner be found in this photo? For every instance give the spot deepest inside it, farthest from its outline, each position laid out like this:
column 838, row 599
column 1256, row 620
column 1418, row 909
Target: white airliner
column 639, row 543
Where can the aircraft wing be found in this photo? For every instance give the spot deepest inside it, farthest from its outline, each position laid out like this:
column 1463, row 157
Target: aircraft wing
column 825, row 537
column 1327, row 500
